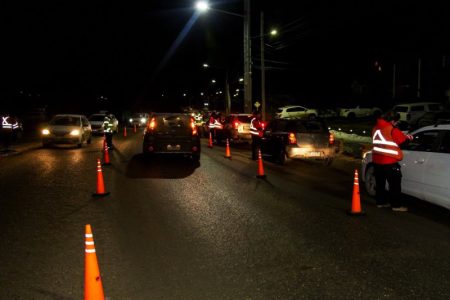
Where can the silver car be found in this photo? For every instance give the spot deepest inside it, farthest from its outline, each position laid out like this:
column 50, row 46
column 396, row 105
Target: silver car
column 67, row 129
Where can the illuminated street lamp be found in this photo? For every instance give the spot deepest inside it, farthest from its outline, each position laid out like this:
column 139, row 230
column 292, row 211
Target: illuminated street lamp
column 205, row 66
column 241, row 79
column 202, row 6
column 274, row 32
column 213, row 81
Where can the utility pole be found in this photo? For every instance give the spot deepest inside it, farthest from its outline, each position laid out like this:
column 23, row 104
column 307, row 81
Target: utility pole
column 419, row 66
column 247, row 60
column 227, row 95
column 263, row 70
column 393, row 81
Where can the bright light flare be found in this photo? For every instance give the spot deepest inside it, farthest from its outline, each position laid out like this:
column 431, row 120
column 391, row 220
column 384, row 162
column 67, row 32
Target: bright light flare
column 75, row 132
column 202, row 6
column 274, row 32
column 45, row 132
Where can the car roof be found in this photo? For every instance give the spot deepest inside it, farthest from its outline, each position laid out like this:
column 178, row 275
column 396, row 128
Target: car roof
column 433, row 127
column 290, row 106
column 69, row 115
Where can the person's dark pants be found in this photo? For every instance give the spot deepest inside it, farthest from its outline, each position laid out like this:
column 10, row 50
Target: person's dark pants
column 256, row 145
column 108, row 137
column 393, row 175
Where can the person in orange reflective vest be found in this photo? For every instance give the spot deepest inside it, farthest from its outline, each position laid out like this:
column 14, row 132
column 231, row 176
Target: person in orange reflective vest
column 257, row 131
column 386, row 155
column 212, row 125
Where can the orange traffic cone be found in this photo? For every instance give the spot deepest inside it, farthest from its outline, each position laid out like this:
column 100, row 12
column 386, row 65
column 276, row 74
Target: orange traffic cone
column 106, row 160
column 227, row 150
column 104, row 141
column 124, row 131
column 210, row 144
column 93, row 288
column 100, row 183
column 260, row 166
column 134, row 128
column 356, row 201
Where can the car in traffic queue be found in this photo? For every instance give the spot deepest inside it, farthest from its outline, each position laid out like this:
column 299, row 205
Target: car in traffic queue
column 425, row 166
column 172, row 134
column 67, row 129
column 236, row 127
column 358, row 111
column 298, row 139
column 432, row 118
column 296, row 111
column 138, row 119
column 411, row 112
column 97, row 123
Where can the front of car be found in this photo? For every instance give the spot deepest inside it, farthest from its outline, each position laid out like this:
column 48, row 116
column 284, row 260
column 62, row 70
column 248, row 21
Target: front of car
column 63, row 129
column 97, row 121
column 138, row 120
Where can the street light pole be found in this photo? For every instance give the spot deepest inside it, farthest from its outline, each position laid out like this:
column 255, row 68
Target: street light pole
column 263, row 70
column 247, row 60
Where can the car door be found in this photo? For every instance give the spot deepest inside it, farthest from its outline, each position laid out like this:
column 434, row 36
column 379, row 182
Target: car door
column 437, row 173
column 415, row 156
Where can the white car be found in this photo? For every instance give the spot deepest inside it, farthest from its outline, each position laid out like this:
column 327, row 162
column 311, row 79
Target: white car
column 97, row 121
column 425, row 166
column 67, row 129
column 358, row 112
column 138, row 119
column 411, row 112
column 296, row 111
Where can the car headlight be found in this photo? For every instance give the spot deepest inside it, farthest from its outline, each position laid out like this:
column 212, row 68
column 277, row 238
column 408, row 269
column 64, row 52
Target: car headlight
column 75, row 132
column 131, row 120
column 143, row 120
column 45, row 132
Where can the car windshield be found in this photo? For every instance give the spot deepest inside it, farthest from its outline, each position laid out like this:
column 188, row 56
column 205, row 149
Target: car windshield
column 305, row 126
column 244, row 119
column 97, row 118
column 65, row 121
column 137, row 116
column 401, row 109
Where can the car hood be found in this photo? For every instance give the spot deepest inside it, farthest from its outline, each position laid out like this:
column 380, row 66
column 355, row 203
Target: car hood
column 60, row 128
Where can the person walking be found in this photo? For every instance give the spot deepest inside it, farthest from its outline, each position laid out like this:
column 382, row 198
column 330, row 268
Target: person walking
column 386, row 155
column 256, row 130
column 108, row 130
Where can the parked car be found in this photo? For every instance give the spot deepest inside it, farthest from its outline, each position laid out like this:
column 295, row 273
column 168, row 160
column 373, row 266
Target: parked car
column 296, row 111
column 425, row 166
column 358, row 111
column 236, row 127
column 138, row 119
column 11, row 129
column 298, row 139
column 97, row 121
column 172, row 133
column 432, row 118
column 411, row 112
column 67, row 129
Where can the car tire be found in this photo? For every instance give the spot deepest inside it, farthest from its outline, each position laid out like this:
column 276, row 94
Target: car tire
column 195, row 158
column 369, row 180
column 351, row 116
column 312, row 116
column 89, row 140
column 282, row 157
column 328, row 161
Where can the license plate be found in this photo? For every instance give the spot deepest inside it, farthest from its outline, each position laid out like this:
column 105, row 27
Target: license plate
column 173, row 148
column 315, row 153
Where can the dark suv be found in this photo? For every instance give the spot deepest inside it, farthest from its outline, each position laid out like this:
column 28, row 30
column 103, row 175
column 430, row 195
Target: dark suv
column 298, row 139
column 172, row 133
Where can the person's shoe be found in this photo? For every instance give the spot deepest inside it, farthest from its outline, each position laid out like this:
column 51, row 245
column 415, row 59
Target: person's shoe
column 400, row 209
column 385, row 205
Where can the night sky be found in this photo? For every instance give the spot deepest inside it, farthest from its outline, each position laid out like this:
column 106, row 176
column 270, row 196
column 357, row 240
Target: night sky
column 67, row 55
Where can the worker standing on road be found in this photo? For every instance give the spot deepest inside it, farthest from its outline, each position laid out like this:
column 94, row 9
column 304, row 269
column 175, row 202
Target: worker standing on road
column 211, row 125
column 108, row 130
column 386, row 157
column 8, row 125
column 256, row 130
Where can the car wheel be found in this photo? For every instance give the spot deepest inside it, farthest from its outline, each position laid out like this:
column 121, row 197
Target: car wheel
column 89, row 140
column 282, row 157
column 369, row 181
column 195, row 158
column 351, row 116
column 312, row 116
column 328, row 161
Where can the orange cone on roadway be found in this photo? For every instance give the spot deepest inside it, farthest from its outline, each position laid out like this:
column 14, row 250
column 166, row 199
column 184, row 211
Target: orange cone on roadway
column 227, row 150
column 134, row 128
column 93, row 288
column 106, row 160
column 124, row 131
column 260, row 166
column 356, row 200
column 210, row 144
column 100, row 183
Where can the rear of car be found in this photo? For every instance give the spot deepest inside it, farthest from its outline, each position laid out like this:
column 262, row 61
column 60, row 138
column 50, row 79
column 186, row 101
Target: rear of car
column 171, row 133
column 67, row 129
column 237, row 127
column 411, row 112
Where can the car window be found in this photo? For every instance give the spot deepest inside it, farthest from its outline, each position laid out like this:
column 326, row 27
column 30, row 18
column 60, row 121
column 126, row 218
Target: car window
column 97, row 118
column 244, row 119
column 65, row 121
column 277, row 125
column 85, row 122
column 418, row 108
column 294, row 109
column 434, row 107
column 401, row 109
column 445, row 144
column 305, row 126
column 423, row 141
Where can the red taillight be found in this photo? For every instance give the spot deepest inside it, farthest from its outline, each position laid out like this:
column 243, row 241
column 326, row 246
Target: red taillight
column 292, row 138
column 236, row 124
column 263, row 125
column 331, row 139
column 194, row 128
column 152, row 124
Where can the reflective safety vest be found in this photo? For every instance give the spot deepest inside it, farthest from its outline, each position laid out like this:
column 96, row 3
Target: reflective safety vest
column 9, row 124
column 107, row 126
column 256, row 128
column 215, row 124
column 383, row 143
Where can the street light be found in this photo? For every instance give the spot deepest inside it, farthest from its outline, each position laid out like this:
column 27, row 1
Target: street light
column 213, row 81
column 202, row 6
column 241, row 79
column 274, row 32
column 205, row 66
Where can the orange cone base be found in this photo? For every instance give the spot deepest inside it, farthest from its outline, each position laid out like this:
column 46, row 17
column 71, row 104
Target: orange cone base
column 355, row 214
column 100, row 195
column 229, row 157
column 106, row 164
column 260, row 176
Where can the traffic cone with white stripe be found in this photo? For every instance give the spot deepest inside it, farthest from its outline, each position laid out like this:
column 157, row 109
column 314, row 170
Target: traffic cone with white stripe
column 210, row 144
column 227, row 150
column 124, row 131
column 93, row 288
column 260, row 166
column 106, row 160
column 100, row 182
column 356, row 200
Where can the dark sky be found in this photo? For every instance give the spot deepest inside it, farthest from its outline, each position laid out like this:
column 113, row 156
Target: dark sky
column 72, row 52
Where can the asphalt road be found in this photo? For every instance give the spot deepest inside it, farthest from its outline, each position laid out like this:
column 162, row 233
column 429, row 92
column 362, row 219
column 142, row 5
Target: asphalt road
column 171, row 229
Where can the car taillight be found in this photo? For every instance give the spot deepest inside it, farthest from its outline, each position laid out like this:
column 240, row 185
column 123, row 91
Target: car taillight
column 194, row 128
column 263, row 125
column 152, row 124
column 292, row 139
column 331, row 139
column 236, row 124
